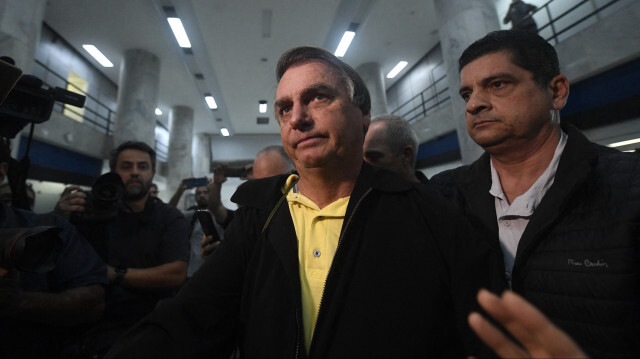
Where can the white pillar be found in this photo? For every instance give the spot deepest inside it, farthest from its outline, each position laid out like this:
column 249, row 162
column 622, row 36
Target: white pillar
column 201, row 155
column 180, row 143
column 137, row 97
column 374, row 79
column 462, row 23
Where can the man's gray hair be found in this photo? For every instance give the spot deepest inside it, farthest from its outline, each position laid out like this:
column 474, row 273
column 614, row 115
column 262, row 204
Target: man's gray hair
column 399, row 134
column 280, row 151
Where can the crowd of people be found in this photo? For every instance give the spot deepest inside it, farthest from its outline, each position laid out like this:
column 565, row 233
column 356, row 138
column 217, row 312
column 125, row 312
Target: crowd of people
column 339, row 247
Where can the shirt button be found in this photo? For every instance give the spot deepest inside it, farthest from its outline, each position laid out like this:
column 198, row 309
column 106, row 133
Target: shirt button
column 507, row 223
column 316, row 253
column 320, row 218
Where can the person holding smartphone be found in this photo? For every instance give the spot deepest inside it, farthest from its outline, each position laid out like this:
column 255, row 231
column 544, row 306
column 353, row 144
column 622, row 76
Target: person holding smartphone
column 196, row 231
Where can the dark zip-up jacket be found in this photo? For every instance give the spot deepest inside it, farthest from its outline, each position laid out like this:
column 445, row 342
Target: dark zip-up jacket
column 402, row 282
column 579, row 258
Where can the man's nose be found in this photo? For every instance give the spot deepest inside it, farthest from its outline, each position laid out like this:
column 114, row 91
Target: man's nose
column 477, row 102
column 300, row 119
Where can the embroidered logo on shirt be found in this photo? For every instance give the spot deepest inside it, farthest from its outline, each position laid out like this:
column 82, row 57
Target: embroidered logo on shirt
column 590, row 263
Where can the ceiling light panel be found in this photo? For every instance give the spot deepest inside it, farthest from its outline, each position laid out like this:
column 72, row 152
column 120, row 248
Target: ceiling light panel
column 396, row 70
column 97, row 55
column 211, row 102
column 625, row 143
column 179, row 32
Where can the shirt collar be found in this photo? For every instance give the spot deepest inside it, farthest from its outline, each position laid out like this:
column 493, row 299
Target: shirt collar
column 525, row 204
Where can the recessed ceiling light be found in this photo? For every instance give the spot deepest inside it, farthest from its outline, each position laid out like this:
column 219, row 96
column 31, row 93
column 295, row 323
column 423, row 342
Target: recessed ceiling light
column 179, row 32
column 396, row 70
column 624, row 143
column 99, row 56
column 224, row 131
column 211, row 102
column 158, row 112
column 344, row 43
column 262, row 106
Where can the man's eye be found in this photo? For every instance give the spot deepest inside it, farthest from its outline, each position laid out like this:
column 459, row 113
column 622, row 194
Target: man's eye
column 286, row 109
column 321, row 97
column 465, row 96
column 497, row 84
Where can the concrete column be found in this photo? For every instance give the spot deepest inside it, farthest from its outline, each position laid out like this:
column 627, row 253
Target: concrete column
column 461, row 23
column 137, row 97
column 180, row 143
column 20, row 29
column 374, row 79
column 201, row 155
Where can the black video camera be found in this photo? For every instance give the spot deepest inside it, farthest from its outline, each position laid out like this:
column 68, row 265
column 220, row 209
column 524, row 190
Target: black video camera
column 28, row 103
column 30, row 249
column 102, row 201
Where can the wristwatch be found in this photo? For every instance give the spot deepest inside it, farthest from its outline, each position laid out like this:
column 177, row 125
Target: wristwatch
column 120, row 272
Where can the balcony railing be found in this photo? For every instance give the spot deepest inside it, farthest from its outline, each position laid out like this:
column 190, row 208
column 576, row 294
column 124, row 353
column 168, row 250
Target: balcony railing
column 552, row 28
column 94, row 113
column 427, row 101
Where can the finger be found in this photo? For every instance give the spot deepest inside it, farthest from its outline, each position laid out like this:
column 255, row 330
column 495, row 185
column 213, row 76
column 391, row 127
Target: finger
column 210, row 248
column 540, row 329
column 70, row 189
column 494, row 338
column 505, row 316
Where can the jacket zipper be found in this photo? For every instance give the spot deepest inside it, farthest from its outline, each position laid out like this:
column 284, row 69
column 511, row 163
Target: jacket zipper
column 346, row 227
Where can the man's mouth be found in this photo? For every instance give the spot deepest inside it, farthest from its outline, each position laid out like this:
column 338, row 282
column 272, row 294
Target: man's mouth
column 308, row 140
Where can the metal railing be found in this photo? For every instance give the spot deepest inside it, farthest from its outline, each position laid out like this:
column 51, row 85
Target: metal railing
column 552, row 22
column 411, row 111
column 429, row 102
column 94, row 113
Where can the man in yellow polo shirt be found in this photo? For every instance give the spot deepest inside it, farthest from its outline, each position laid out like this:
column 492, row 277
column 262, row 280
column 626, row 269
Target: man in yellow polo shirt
column 341, row 260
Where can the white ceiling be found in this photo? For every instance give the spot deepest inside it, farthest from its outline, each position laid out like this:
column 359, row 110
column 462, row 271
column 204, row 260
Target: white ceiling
column 229, row 48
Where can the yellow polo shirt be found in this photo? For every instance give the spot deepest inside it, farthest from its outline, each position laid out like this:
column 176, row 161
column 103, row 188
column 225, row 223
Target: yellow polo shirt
column 318, row 232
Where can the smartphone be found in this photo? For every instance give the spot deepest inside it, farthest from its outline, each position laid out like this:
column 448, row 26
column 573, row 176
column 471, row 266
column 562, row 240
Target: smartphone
column 197, row 182
column 9, row 76
column 234, row 171
column 206, row 221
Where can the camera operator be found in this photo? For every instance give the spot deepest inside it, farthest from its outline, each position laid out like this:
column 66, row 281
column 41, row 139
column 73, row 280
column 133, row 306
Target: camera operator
column 39, row 312
column 145, row 246
column 196, row 233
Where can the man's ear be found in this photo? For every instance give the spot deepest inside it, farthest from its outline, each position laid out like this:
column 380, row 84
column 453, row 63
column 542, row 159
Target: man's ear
column 407, row 155
column 4, row 168
column 560, row 91
column 366, row 121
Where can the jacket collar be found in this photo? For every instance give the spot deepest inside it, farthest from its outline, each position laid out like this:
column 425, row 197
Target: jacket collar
column 266, row 191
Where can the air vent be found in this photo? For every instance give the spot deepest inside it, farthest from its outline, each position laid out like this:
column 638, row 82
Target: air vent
column 218, row 119
column 187, row 51
column 199, row 76
column 262, row 120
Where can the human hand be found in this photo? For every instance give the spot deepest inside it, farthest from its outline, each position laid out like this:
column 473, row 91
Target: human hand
column 218, row 175
column 208, row 245
column 71, row 200
column 538, row 337
column 183, row 184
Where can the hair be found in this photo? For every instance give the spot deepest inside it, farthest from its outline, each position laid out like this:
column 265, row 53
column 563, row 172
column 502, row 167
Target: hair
column 350, row 77
column 528, row 51
column 398, row 134
column 280, row 151
column 132, row 145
